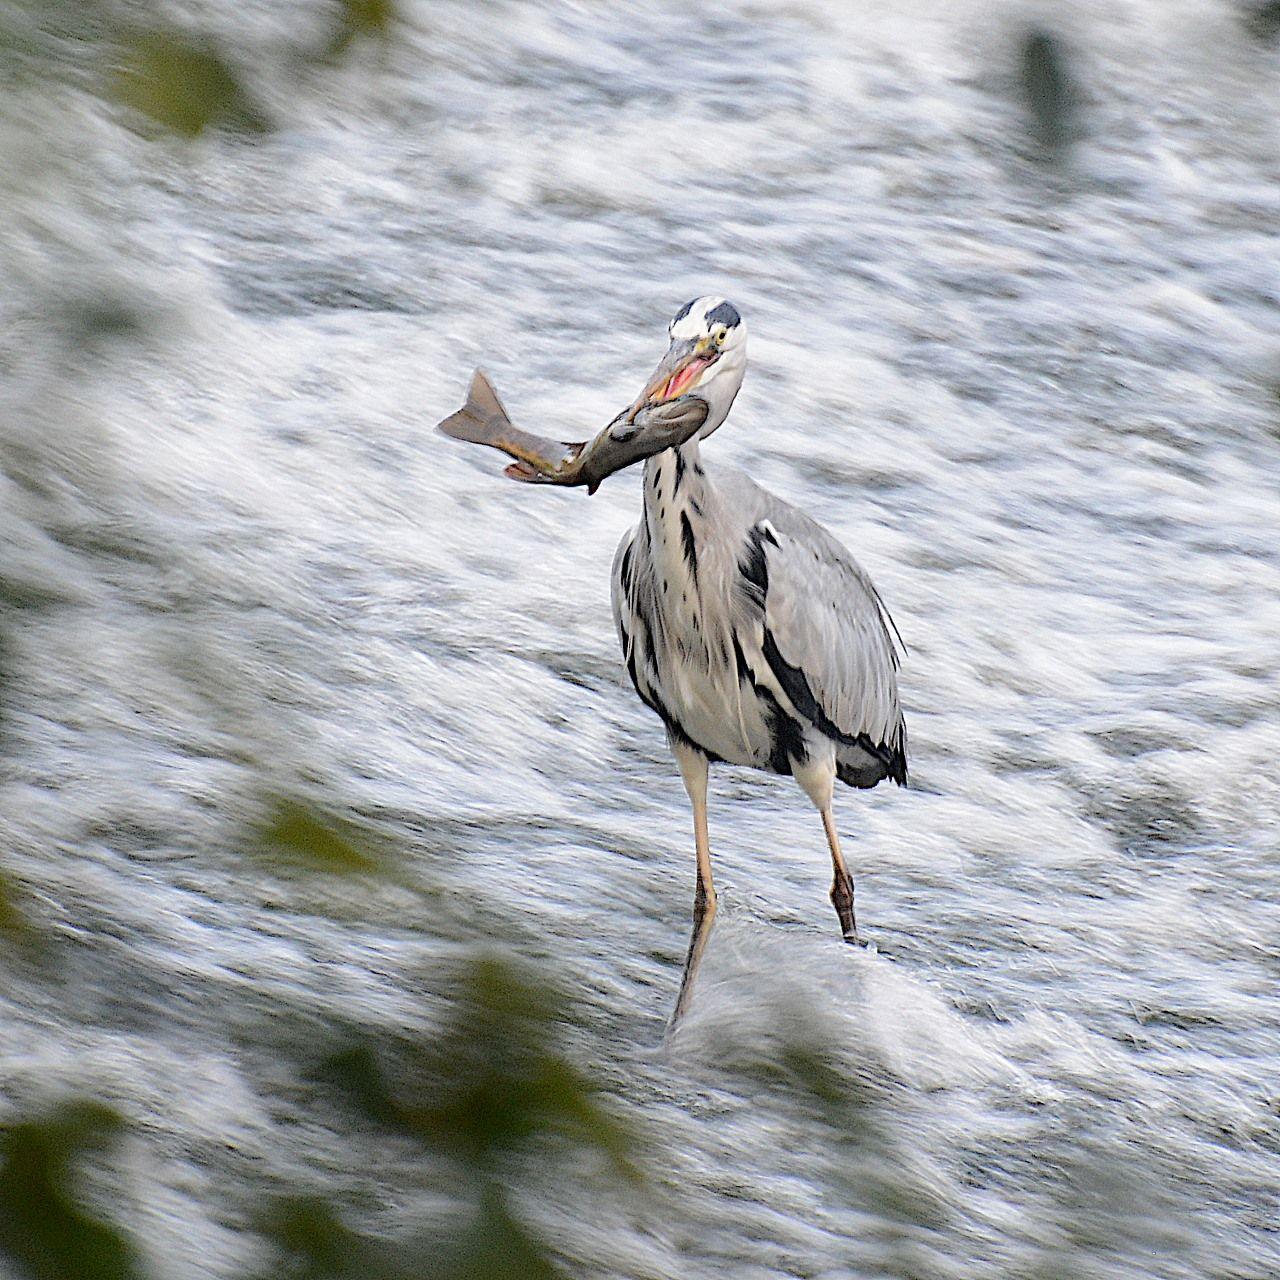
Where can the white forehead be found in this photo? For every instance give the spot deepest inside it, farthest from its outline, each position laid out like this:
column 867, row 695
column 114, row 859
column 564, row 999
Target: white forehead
column 702, row 315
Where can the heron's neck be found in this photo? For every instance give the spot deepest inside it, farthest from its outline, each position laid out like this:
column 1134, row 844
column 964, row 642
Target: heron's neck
column 677, row 500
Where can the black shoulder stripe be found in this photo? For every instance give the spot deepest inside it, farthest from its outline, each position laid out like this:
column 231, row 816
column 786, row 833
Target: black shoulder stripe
column 796, row 687
column 626, row 568
column 690, row 547
column 786, row 736
column 754, row 568
column 740, row 663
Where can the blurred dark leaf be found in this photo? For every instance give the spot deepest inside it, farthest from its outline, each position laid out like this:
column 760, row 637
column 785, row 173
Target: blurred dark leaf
column 315, row 1245
column 358, row 18
column 183, row 87
column 43, row 1232
column 1264, row 19
column 12, row 920
column 494, row 1081
column 17, row 36
column 805, row 1066
column 800, row 1062
column 16, row 927
column 103, row 316
column 1047, row 83
column 356, row 1073
column 497, row 1248
column 97, row 323
column 298, row 835
column 311, row 1243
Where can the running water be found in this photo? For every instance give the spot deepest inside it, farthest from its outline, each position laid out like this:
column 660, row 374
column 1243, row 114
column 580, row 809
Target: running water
column 1033, row 390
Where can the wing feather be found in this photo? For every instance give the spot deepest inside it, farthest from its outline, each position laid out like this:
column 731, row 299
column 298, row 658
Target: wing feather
column 826, row 637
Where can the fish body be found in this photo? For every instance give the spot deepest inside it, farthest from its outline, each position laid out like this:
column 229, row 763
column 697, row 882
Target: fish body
column 636, row 433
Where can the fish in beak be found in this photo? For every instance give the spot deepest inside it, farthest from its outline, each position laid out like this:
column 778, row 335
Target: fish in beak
column 659, row 420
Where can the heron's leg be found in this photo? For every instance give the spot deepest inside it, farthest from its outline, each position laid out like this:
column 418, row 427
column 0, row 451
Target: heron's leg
column 693, row 769
column 841, row 882
column 817, row 775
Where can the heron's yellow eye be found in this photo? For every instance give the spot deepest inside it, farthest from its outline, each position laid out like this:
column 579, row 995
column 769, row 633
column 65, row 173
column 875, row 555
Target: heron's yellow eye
column 719, row 334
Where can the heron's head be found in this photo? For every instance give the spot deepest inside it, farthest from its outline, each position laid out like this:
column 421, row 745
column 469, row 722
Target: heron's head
column 707, row 358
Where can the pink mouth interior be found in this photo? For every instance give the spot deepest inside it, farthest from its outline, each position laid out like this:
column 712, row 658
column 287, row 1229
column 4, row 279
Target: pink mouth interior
column 679, row 381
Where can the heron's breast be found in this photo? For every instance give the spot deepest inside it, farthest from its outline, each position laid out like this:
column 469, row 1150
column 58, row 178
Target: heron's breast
column 700, row 673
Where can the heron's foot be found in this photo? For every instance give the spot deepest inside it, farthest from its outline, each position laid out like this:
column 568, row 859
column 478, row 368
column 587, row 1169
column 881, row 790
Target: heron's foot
column 842, row 900
column 869, row 945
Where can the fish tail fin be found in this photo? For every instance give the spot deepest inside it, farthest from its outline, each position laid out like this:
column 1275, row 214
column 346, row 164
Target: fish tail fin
column 482, row 419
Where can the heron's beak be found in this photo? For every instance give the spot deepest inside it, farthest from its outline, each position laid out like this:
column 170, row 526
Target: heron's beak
column 678, row 372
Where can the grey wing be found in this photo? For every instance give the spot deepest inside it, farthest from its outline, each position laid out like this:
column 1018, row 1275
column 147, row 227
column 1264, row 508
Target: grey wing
column 826, row 639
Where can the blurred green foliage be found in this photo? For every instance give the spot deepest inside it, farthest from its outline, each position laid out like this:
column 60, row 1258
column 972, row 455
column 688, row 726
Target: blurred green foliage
column 1049, row 88
column 93, row 320
column 311, row 1243
column 44, row 1233
column 493, row 1084
column 296, row 834
column 187, row 86
column 359, row 18
column 12, row 921
column 182, row 86
column 496, row 1247
column 493, row 1081
column 867, row 1166
column 1263, row 19
column 19, row 932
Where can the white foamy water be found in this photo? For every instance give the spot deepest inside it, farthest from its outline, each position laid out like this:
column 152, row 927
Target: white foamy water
column 1038, row 402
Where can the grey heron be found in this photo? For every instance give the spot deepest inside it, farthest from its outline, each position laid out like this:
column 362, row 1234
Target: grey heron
column 749, row 630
